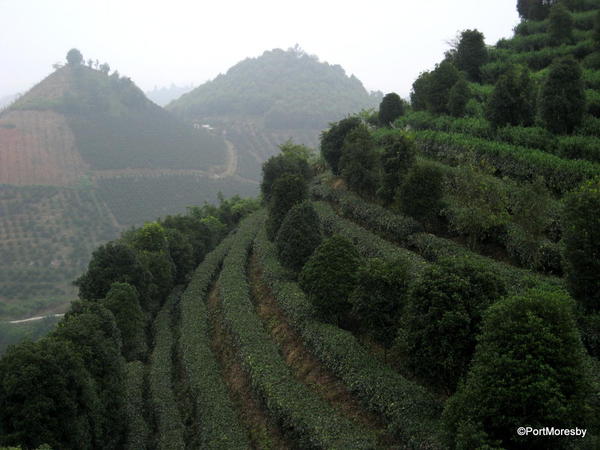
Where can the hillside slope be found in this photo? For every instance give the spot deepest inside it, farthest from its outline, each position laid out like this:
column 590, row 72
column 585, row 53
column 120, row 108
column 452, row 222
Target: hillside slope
column 261, row 102
column 84, row 154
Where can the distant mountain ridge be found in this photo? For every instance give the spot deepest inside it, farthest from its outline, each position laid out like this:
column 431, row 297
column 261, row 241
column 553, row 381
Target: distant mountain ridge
column 164, row 95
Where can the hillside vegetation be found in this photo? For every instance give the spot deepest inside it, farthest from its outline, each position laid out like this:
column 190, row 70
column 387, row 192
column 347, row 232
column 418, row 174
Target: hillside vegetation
column 261, row 102
column 415, row 288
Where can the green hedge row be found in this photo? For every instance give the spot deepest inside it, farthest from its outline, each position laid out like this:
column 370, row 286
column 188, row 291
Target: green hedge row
column 515, row 162
column 218, row 422
column 368, row 244
column 427, row 246
column 138, row 432
column 581, row 20
column 569, row 147
column 394, row 226
column 411, row 413
column 309, row 419
column 168, row 419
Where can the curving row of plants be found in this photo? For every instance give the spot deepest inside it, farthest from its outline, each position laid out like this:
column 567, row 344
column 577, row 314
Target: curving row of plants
column 138, row 433
column 515, row 162
column 168, row 420
column 368, row 244
column 410, row 412
column 218, row 426
column 309, row 420
column 389, row 226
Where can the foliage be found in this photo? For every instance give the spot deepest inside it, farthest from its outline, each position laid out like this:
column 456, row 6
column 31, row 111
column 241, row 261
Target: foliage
column 123, row 301
column 74, row 57
column 534, row 9
column 329, row 277
column 138, row 431
column 458, row 98
column 477, row 206
column 513, row 100
column 212, row 407
column 47, row 396
column 110, row 263
column 94, row 335
column 529, row 370
column 420, row 91
column 396, row 160
column 288, row 190
column 288, row 162
column 560, row 26
column 358, row 164
column 411, row 412
column 163, row 403
column 597, row 28
column 307, row 417
column 562, row 98
column 379, row 297
column 298, row 236
column 512, row 161
column 150, row 237
column 582, row 248
column 420, row 195
column 437, row 338
column 440, row 82
column 471, row 54
column 390, row 108
column 332, row 141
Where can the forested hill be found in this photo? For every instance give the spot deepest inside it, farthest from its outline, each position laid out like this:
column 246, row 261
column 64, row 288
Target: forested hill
column 261, row 102
column 289, row 89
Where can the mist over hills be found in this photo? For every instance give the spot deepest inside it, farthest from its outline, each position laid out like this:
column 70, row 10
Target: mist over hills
column 162, row 96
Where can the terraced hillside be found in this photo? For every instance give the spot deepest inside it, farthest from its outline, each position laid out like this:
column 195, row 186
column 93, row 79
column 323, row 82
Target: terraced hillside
column 84, row 155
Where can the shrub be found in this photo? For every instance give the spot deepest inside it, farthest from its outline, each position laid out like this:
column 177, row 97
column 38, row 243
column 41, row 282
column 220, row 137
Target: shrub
column 329, row 277
column 390, row 108
column 529, row 370
column 560, row 26
column 288, row 190
column 581, row 223
column 358, row 164
column 379, row 297
column 420, row 195
column 138, row 431
column 397, row 158
column 298, row 236
column 279, row 165
column 471, row 53
column 332, row 141
column 458, row 98
column 562, row 98
column 439, row 325
column 513, row 100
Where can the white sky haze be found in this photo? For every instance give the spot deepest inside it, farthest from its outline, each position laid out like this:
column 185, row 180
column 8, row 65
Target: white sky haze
column 386, row 44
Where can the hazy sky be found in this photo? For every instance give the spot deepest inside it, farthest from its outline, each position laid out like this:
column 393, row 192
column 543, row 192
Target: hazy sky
column 384, row 43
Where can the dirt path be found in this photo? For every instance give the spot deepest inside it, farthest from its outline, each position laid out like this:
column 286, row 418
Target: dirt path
column 303, row 364
column 32, row 319
column 232, row 161
column 264, row 434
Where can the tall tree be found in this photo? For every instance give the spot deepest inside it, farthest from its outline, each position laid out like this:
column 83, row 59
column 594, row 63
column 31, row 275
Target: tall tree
column 561, row 24
column 458, row 98
column 329, row 277
column 74, row 57
column 513, row 99
column 47, row 397
column 332, row 141
column 471, row 54
column 390, row 108
column 529, row 369
column 440, row 82
column 289, row 161
column 288, row 190
column 562, row 99
column 359, row 160
column 442, row 319
column 396, row 160
column 420, row 91
column 298, row 236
